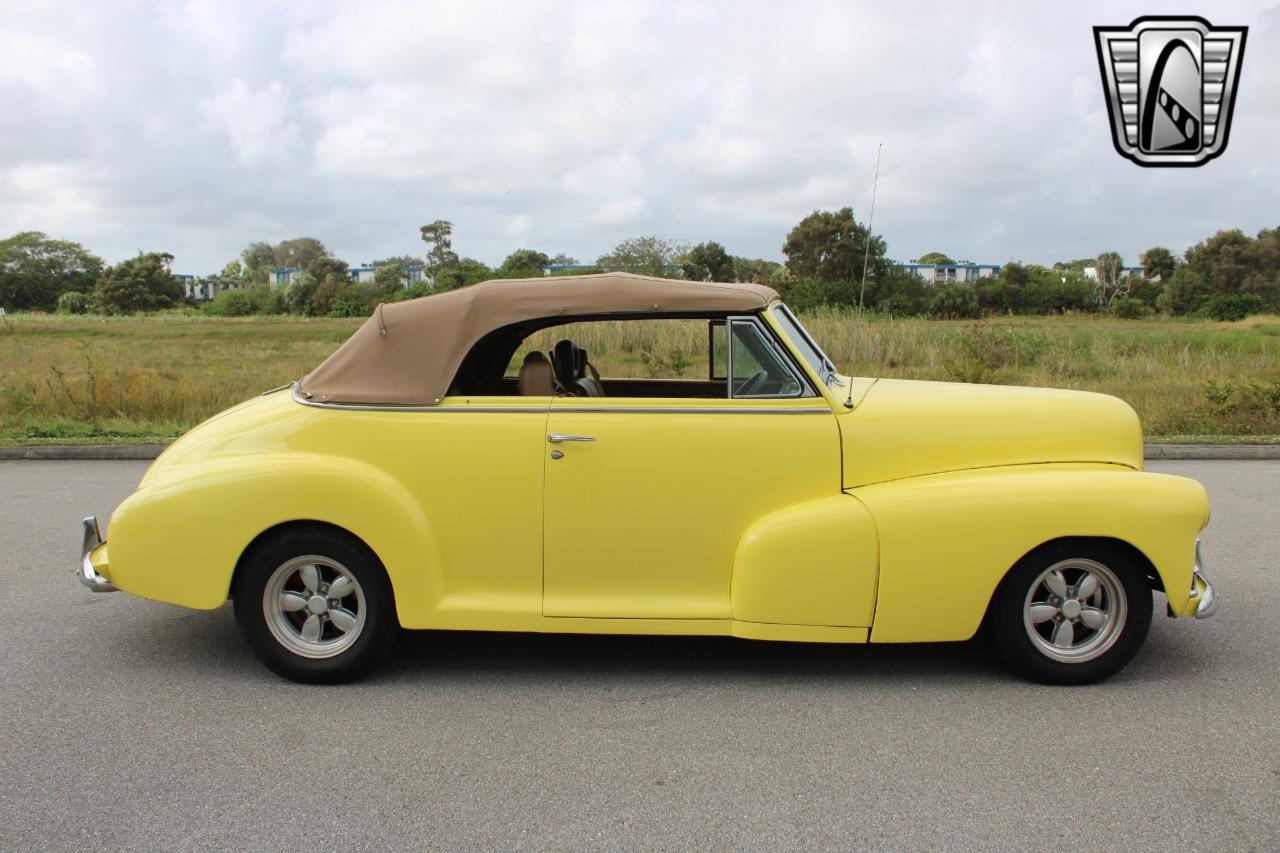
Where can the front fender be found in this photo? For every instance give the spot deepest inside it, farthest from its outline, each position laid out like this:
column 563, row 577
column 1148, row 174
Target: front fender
column 946, row 541
column 178, row 539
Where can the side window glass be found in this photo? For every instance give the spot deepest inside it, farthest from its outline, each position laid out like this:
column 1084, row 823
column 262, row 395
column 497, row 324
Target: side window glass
column 755, row 368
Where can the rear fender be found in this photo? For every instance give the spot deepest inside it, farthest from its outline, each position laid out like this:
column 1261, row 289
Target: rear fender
column 179, row 539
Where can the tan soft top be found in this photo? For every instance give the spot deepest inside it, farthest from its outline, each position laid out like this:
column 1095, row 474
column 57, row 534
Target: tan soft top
column 407, row 353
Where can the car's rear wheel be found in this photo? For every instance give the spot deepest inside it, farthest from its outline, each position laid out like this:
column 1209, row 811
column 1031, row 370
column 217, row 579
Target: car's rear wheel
column 315, row 606
column 1072, row 613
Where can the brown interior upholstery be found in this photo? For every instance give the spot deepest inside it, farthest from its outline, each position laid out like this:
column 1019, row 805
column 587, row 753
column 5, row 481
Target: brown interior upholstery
column 536, row 379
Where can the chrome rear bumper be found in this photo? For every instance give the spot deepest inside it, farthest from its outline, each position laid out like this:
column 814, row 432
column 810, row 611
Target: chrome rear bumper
column 88, row 574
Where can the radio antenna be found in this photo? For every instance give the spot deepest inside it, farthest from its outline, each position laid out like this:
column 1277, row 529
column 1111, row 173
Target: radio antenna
column 866, row 258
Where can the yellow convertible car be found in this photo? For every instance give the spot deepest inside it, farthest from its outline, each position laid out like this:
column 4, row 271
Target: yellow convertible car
column 461, row 463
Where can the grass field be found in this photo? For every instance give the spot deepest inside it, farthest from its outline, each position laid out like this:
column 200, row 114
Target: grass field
column 149, row 378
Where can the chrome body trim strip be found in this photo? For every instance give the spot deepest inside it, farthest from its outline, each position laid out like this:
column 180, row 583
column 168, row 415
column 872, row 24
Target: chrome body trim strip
column 370, row 407
column 694, row 410
column 88, row 574
column 555, row 407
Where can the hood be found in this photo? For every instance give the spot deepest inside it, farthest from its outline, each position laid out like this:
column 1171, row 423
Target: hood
column 905, row 428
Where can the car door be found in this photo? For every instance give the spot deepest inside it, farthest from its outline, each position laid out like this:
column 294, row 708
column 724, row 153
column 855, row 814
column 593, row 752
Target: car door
column 646, row 499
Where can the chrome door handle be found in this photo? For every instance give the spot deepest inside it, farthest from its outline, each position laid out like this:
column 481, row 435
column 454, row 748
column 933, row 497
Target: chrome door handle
column 557, row 437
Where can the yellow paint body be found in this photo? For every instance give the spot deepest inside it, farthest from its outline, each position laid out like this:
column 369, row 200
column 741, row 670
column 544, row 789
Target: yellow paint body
column 803, row 519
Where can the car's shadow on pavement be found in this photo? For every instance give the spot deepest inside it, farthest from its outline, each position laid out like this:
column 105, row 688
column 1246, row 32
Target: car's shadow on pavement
column 210, row 641
column 168, row 639
column 438, row 654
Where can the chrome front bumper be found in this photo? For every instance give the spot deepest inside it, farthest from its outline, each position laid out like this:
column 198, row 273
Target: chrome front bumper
column 1202, row 589
column 88, row 574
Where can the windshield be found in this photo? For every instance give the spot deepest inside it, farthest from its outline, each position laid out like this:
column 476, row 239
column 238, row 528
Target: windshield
column 804, row 343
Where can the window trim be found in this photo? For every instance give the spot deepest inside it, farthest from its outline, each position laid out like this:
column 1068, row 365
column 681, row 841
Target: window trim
column 781, row 307
column 526, row 328
column 711, row 349
column 783, row 356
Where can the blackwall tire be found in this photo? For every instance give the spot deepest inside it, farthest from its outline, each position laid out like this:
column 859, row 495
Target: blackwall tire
column 315, row 605
column 1071, row 613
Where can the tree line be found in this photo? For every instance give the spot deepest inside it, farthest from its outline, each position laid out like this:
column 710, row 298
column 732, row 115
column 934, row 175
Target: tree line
column 828, row 256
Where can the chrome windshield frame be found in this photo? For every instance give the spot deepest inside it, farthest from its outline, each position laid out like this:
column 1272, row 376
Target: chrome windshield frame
column 826, row 370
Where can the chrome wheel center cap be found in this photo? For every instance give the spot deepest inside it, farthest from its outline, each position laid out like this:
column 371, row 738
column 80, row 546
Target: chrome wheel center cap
column 1071, row 608
column 317, row 604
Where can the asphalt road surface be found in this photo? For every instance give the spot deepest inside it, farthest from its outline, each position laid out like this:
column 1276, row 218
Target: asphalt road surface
column 126, row 723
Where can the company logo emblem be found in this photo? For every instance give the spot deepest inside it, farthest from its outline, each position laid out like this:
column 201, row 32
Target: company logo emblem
column 1170, row 84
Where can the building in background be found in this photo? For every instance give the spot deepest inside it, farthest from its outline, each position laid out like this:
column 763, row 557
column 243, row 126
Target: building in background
column 1125, row 272
column 201, row 288
column 963, row 272
column 284, row 277
column 567, row 269
column 364, row 274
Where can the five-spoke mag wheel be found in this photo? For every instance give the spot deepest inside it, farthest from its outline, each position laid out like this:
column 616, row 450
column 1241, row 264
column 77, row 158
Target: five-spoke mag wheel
column 1072, row 612
column 1075, row 610
column 315, row 604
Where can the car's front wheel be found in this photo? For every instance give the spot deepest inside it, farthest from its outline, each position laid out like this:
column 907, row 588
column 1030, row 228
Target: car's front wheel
column 315, row 606
column 1072, row 613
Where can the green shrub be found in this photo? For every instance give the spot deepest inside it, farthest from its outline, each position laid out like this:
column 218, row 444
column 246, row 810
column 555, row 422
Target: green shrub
column 230, row 303
column 658, row 367
column 349, row 306
column 265, row 299
column 1128, row 309
column 1233, row 306
column 1246, row 409
column 806, row 294
column 413, row 291
column 74, row 302
column 954, row 302
column 982, row 352
column 143, row 283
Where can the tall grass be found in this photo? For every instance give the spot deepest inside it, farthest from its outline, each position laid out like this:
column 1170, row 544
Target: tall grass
column 136, row 378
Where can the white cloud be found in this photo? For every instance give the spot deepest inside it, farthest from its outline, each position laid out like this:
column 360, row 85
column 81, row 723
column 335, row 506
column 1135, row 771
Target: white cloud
column 65, row 76
column 198, row 127
column 257, row 122
column 519, row 225
column 46, row 197
column 620, row 211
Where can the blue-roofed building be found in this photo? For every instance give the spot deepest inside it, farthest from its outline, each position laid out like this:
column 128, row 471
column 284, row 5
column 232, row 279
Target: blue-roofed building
column 363, row 274
column 567, row 269
column 284, row 277
column 961, row 272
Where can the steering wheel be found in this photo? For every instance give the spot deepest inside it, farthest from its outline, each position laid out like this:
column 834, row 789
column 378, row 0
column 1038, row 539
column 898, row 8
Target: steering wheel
column 749, row 387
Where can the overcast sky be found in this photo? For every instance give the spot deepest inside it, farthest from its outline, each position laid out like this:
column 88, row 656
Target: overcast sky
column 197, row 127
